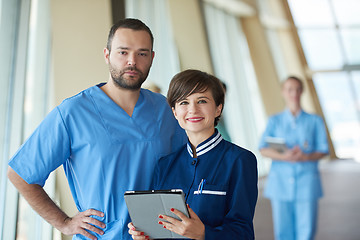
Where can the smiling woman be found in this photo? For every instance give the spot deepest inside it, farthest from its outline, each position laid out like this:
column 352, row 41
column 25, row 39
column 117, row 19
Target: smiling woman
column 219, row 178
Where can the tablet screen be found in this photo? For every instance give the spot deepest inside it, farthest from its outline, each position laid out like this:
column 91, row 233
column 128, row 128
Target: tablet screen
column 145, row 207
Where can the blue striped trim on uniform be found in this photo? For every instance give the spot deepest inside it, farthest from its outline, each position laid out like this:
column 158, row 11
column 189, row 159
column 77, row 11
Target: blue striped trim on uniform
column 207, row 146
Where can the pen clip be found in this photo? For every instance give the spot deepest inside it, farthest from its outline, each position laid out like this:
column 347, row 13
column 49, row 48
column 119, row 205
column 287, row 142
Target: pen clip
column 201, row 185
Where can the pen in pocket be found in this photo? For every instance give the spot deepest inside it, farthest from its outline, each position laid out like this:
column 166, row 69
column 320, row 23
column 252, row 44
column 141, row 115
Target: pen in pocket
column 201, row 185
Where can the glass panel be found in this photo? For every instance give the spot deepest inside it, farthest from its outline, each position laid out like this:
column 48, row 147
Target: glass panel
column 310, row 13
column 322, row 49
column 338, row 103
column 355, row 75
column 243, row 112
column 9, row 27
column 351, row 40
column 30, row 225
column 347, row 11
column 155, row 15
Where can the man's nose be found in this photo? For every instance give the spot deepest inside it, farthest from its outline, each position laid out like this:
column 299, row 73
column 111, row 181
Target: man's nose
column 131, row 61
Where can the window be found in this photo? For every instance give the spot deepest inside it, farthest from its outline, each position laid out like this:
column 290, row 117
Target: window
column 9, row 33
column 24, row 72
column 329, row 31
column 155, row 16
column 243, row 112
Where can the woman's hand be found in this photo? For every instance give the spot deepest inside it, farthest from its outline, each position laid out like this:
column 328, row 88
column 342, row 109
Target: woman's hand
column 188, row 227
column 136, row 234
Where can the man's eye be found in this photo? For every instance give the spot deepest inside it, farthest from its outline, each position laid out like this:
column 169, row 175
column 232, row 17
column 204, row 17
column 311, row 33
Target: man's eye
column 122, row 52
column 143, row 54
column 202, row 101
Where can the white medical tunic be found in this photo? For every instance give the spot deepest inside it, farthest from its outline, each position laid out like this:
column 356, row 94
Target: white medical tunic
column 103, row 150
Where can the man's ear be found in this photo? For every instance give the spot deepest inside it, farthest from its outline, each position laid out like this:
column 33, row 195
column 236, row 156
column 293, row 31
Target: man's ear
column 106, row 55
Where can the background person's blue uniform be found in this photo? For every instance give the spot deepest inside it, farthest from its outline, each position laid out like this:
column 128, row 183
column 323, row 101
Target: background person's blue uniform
column 227, row 203
column 297, row 184
column 104, row 151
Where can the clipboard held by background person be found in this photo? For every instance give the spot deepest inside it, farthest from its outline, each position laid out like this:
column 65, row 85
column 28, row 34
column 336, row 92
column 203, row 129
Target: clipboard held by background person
column 276, row 143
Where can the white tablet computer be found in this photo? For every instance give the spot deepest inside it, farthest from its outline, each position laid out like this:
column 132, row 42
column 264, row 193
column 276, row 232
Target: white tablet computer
column 145, row 207
column 276, row 143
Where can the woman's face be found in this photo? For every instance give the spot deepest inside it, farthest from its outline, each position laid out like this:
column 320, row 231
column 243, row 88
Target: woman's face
column 196, row 114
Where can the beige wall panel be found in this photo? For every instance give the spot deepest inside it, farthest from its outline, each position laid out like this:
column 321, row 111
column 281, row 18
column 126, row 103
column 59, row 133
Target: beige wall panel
column 190, row 35
column 80, row 31
column 264, row 67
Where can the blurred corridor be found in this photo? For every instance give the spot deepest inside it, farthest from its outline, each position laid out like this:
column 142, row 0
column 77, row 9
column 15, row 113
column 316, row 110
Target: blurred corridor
column 339, row 216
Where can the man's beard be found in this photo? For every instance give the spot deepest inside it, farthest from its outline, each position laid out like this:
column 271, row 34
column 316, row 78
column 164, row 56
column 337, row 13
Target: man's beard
column 120, row 81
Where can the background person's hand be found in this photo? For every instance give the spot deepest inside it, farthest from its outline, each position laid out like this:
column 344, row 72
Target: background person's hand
column 83, row 221
column 293, row 155
column 192, row 227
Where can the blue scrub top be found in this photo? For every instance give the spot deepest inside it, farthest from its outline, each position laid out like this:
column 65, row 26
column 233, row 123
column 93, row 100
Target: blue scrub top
column 103, row 150
column 301, row 180
column 227, row 201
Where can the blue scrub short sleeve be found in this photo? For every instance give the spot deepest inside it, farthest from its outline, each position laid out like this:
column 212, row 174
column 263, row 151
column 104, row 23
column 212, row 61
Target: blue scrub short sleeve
column 44, row 151
column 321, row 137
column 267, row 133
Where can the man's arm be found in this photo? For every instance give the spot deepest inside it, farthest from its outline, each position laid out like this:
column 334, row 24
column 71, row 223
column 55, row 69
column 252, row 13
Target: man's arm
column 38, row 199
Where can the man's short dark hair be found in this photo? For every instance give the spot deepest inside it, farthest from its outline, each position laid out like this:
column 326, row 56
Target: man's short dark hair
column 130, row 23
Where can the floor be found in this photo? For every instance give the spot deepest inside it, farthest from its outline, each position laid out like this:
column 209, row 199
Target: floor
column 339, row 209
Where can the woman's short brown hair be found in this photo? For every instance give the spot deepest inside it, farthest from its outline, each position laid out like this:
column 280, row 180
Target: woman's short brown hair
column 192, row 81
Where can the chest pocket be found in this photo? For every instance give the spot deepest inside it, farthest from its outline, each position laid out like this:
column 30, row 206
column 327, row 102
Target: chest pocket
column 210, row 203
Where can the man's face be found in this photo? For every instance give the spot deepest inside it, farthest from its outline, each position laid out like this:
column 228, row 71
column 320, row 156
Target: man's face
column 130, row 58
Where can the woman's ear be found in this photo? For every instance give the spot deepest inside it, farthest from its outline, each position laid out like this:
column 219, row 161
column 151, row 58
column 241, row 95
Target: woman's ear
column 174, row 112
column 218, row 110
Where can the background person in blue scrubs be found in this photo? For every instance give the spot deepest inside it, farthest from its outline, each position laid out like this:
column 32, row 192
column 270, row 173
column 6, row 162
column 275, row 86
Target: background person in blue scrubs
column 219, row 178
column 293, row 184
column 108, row 139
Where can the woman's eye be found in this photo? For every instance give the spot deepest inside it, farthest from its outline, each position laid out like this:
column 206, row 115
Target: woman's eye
column 183, row 103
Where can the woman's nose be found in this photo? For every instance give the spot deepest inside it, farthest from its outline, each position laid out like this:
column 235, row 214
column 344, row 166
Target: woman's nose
column 192, row 108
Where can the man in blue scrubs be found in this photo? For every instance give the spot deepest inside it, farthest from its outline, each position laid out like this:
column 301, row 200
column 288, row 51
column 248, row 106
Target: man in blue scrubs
column 293, row 184
column 108, row 139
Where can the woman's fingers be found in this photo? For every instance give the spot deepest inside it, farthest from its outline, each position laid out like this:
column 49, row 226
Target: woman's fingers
column 138, row 235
